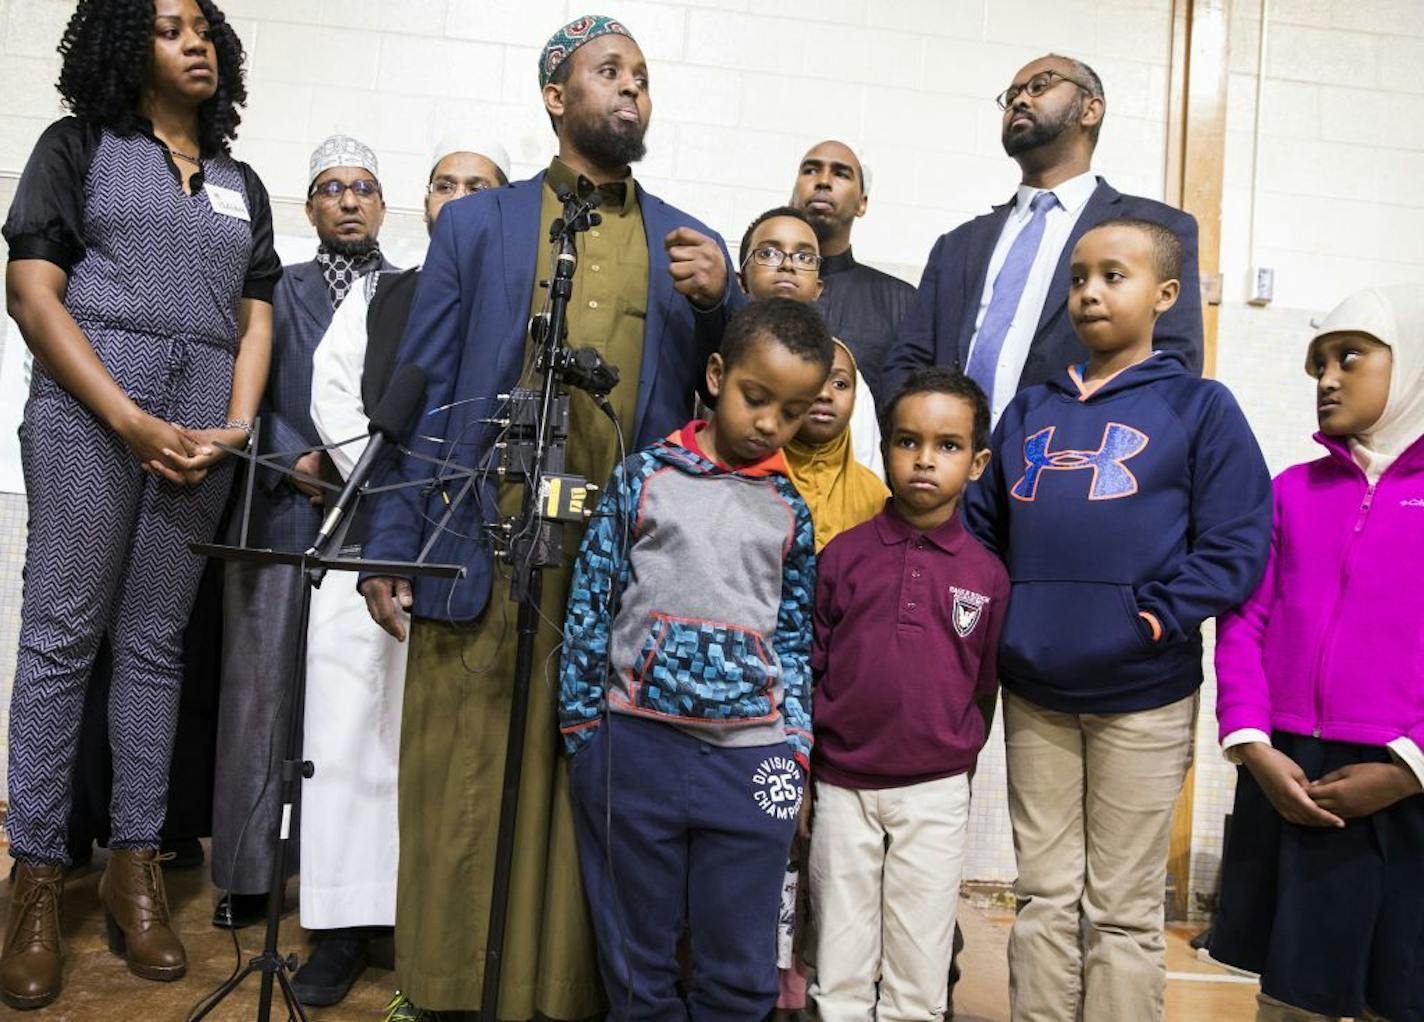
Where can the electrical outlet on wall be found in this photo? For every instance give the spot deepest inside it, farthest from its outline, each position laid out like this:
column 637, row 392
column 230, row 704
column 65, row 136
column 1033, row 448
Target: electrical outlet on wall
column 1263, row 285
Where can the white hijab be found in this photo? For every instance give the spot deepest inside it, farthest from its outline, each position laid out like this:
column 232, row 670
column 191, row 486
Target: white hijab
column 1394, row 316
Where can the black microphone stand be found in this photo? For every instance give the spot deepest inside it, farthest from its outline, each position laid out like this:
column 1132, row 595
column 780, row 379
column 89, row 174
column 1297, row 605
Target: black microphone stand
column 314, row 564
column 536, row 453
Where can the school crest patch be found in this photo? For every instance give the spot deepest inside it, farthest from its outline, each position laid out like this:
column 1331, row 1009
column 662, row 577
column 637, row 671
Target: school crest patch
column 968, row 609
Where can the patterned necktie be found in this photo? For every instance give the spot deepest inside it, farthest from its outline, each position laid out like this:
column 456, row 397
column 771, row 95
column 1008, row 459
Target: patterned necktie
column 1008, row 289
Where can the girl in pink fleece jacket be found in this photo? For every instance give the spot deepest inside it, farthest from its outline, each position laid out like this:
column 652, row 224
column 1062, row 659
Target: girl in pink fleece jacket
column 1320, row 681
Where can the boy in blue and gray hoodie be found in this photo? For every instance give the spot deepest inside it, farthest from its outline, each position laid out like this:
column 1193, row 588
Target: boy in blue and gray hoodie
column 1130, row 502
column 685, row 690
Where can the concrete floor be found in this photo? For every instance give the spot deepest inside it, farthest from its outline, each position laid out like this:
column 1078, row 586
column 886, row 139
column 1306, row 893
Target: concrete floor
column 100, row 988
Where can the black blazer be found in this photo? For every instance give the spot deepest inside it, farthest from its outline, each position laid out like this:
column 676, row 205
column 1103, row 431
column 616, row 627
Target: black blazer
column 940, row 324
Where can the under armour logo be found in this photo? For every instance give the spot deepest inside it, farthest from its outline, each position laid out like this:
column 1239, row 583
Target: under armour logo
column 1111, row 477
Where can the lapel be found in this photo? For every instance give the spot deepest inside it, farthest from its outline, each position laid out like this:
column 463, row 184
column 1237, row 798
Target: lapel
column 310, row 290
column 657, row 224
column 1101, row 206
column 984, row 236
column 520, row 236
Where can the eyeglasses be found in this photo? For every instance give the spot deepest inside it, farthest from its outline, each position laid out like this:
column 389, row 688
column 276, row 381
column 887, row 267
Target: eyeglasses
column 445, row 187
column 362, row 188
column 770, row 255
column 1035, row 87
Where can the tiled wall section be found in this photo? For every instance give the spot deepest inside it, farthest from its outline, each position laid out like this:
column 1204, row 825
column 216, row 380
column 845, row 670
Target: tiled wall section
column 741, row 86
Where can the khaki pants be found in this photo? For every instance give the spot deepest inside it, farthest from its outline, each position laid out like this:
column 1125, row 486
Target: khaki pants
column 1090, row 800
column 884, row 871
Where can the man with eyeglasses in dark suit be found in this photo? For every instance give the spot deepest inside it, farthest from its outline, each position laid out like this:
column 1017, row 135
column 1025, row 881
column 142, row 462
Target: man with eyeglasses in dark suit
column 260, row 622
column 993, row 299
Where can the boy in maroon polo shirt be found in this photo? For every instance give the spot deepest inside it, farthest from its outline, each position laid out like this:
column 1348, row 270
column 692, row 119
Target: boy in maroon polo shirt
column 908, row 611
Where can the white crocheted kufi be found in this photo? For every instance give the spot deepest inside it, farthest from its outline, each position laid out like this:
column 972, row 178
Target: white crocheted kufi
column 342, row 151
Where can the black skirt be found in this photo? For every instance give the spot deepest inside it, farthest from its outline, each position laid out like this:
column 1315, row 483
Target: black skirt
column 1332, row 919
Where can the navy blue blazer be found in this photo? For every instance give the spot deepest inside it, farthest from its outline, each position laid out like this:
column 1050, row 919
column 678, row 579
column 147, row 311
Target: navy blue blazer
column 301, row 313
column 940, row 324
column 467, row 330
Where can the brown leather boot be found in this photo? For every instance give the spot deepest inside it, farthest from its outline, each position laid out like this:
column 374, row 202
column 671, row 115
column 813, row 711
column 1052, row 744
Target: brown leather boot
column 136, row 913
column 32, row 965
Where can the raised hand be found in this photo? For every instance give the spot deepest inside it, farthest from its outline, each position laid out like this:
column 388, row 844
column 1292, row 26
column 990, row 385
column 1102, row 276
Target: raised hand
column 698, row 269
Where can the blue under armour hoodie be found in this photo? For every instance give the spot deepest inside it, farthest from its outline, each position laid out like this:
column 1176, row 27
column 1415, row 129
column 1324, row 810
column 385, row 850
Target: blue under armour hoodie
column 1126, row 518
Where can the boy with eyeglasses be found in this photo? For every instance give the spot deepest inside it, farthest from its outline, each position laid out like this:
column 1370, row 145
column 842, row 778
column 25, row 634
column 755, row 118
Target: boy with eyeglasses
column 780, row 257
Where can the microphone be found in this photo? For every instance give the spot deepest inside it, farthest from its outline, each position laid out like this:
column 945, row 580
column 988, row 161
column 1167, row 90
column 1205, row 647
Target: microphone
column 585, row 369
column 393, row 417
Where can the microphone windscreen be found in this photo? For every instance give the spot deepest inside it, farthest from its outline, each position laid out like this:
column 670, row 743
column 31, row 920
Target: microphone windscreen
column 396, row 411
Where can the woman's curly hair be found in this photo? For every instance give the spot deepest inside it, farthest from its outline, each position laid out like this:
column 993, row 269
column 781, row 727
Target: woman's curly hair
column 107, row 48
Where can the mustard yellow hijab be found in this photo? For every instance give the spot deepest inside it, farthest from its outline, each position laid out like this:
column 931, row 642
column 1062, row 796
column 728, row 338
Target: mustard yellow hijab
column 840, row 491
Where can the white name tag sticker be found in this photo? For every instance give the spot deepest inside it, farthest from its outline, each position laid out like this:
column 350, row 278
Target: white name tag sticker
column 227, row 201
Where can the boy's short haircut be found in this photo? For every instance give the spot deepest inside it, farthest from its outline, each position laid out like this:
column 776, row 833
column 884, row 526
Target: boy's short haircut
column 770, row 214
column 1166, row 247
column 941, row 380
column 798, row 327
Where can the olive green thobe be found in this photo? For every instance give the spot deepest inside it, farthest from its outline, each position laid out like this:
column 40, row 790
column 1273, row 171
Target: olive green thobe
column 459, row 684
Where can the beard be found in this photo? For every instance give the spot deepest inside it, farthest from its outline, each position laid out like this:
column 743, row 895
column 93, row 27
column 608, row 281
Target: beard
column 603, row 139
column 823, row 226
column 1040, row 132
column 356, row 248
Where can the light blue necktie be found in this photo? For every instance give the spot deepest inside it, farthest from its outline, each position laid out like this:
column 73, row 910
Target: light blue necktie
column 1008, row 289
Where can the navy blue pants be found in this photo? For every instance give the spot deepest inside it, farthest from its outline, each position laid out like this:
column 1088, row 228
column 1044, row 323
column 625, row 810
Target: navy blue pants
column 1333, row 920
column 699, row 840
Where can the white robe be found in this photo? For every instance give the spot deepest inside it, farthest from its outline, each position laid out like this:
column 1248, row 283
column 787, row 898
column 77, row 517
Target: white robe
column 865, row 430
column 355, row 686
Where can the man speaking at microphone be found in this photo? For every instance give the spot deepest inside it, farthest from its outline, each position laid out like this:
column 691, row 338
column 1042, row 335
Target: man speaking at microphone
column 645, row 272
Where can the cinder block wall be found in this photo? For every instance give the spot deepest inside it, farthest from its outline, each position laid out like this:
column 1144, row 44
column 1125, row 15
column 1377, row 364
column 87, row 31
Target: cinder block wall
column 741, row 87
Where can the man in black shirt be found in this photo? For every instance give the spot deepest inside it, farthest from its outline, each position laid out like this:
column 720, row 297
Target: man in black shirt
column 862, row 305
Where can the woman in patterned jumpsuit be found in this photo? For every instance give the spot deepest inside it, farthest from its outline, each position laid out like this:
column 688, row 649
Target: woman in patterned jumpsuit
column 141, row 274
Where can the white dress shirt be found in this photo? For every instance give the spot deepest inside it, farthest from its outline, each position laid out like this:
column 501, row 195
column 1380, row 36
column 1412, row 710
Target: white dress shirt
column 1072, row 196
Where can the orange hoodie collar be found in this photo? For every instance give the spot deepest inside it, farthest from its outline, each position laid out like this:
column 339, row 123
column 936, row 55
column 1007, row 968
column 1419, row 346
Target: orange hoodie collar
column 686, row 438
